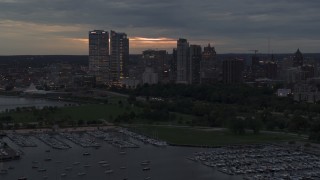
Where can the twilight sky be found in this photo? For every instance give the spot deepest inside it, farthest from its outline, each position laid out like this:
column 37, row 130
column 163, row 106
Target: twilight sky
column 61, row 26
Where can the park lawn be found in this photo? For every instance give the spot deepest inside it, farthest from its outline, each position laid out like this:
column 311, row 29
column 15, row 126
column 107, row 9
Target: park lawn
column 87, row 112
column 201, row 137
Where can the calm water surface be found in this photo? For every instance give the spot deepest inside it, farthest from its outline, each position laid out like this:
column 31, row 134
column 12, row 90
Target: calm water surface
column 7, row 102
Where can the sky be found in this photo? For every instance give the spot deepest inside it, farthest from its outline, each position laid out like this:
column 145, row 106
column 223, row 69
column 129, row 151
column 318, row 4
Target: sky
column 50, row 27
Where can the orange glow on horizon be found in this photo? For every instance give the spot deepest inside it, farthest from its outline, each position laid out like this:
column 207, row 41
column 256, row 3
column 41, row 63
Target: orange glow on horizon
column 152, row 39
column 160, row 42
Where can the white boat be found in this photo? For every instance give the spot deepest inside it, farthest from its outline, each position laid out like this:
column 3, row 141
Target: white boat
column 109, row 171
column 146, row 169
column 76, row 163
column 102, row 162
column 86, row 154
column 68, row 168
column 42, row 170
column 81, row 174
column 3, row 171
column 105, row 165
column 22, row 178
column 145, row 162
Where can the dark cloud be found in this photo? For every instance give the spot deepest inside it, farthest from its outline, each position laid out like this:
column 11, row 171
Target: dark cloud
column 232, row 22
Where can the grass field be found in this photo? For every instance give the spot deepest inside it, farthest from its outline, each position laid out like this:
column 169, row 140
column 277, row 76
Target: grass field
column 201, row 137
column 87, row 112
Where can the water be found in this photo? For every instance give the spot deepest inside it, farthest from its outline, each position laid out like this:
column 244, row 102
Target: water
column 168, row 163
column 7, row 102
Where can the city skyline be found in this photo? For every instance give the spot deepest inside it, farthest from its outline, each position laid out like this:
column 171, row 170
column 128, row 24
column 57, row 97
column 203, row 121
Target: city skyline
column 56, row 27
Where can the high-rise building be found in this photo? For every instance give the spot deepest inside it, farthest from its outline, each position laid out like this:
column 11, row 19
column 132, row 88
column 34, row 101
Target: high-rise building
column 158, row 60
column 232, row 71
column 99, row 55
column 209, row 53
column 195, row 52
column 183, row 69
column 119, row 56
column 173, row 66
column 298, row 59
column 271, row 70
column 210, row 67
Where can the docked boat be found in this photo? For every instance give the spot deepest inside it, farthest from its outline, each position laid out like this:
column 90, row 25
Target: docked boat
column 102, row 162
column 47, row 159
column 105, row 165
column 76, row 163
column 81, row 174
column 68, row 168
column 22, row 178
column 146, row 169
column 109, row 171
column 145, row 162
column 86, row 154
column 42, row 170
column 3, row 171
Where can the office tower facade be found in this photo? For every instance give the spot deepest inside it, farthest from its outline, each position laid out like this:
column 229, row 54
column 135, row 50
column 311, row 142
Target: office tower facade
column 99, row 55
column 271, row 70
column 183, row 64
column 119, row 56
column 209, row 53
column 298, row 59
column 232, row 71
column 158, row 60
column 173, row 66
column 195, row 54
column 210, row 67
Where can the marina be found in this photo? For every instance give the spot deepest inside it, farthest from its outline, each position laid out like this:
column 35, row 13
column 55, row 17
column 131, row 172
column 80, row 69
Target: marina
column 261, row 162
column 251, row 162
column 142, row 138
column 52, row 141
column 21, row 140
column 80, row 139
column 114, row 138
column 46, row 161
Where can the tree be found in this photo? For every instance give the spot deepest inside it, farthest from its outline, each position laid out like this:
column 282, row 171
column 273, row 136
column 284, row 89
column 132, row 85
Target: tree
column 254, row 124
column 237, row 125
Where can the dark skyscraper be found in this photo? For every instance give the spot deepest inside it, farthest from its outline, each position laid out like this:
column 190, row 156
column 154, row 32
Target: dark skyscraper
column 195, row 59
column 209, row 53
column 99, row 55
column 210, row 68
column 119, row 57
column 232, row 71
column 271, row 70
column 298, row 59
column 173, row 66
column 157, row 59
column 182, row 61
